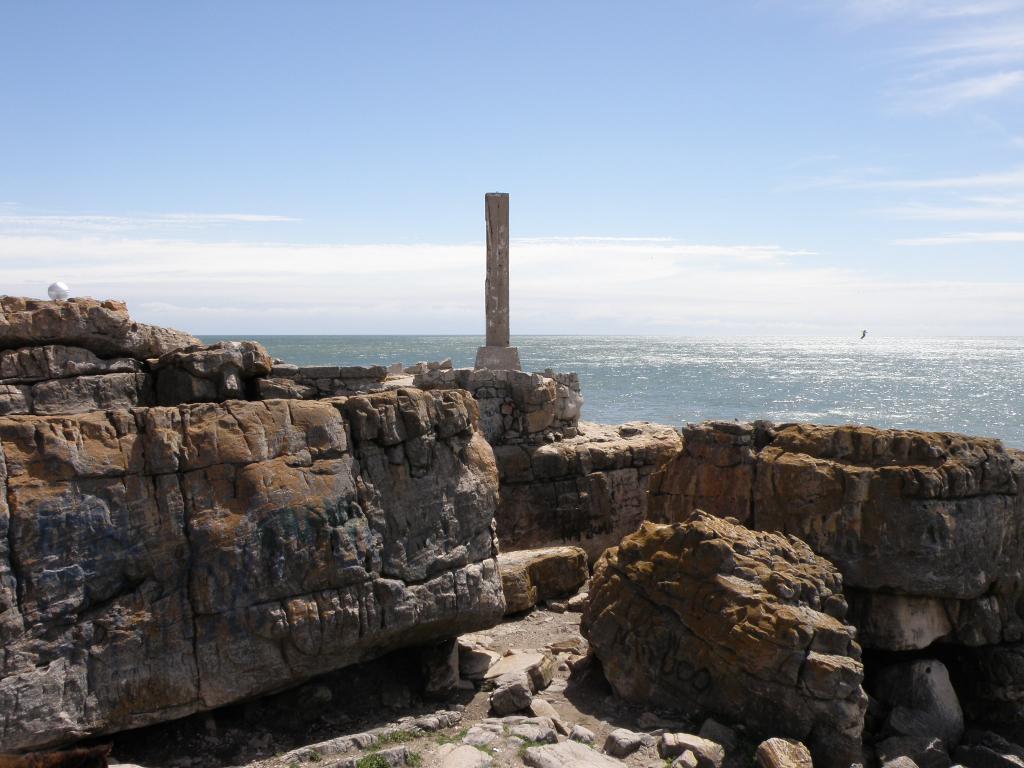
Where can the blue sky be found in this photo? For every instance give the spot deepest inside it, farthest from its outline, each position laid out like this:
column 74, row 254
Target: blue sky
column 675, row 167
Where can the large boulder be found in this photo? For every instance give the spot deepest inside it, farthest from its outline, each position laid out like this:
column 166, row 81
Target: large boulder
column 155, row 562
column 926, row 527
column 102, row 327
column 708, row 616
column 531, row 576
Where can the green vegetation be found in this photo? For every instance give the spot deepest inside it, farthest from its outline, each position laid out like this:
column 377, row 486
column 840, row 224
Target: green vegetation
column 375, row 760
column 414, row 759
column 452, row 738
column 398, row 737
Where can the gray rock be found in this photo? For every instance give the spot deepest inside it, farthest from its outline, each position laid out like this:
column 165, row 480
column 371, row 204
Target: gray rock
column 512, row 694
column 172, row 560
column 55, row 361
column 623, row 742
column 582, row 735
column 901, row 762
column 82, row 394
column 567, row 754
column 712, row 730
column 922, row 699
column 283, row 389
column 535, row 731
column 926, row 751
column 686, row 760
column 475, row 660
column 463, row 756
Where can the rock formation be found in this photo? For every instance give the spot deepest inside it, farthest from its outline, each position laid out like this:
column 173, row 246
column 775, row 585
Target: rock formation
column 102, row 327
column 563, row 481
column 709, row 616
column 926, row 528
column 159, row 561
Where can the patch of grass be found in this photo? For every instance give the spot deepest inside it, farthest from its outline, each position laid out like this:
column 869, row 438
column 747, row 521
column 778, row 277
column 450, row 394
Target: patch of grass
column 415, row 759
column 314, row 756
column 453, row 738
column 397, row 737
column 375, row 760
column 487, row 749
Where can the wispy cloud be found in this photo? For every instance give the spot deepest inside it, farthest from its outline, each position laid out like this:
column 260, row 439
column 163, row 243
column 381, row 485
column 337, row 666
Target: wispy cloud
column 965, row 238
column 13, row 219
column 989, row 208
column 969, row 52
column 875, row 11
column 1013, row 177
column 954, row 93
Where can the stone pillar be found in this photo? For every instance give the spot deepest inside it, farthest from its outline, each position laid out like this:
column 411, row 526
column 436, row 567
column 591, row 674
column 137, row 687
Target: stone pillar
column 497, row 355
column 496, row 286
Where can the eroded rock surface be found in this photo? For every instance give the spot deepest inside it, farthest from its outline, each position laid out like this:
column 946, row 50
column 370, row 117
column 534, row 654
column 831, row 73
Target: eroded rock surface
column 589, row 490
column 159, row 561
column 745, row 625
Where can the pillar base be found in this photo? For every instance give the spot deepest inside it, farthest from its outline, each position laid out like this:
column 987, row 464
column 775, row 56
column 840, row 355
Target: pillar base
column 498, row 359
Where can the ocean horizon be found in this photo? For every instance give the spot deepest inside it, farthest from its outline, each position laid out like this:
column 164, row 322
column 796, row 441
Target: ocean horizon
column 968, row 384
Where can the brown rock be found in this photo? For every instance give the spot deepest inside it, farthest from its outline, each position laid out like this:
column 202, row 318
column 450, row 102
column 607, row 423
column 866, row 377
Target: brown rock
column 711, row 616
column 103, row 327
column 172, row 560
column 783, row 753
column 533, row 575
column 589, row 490
column 924, row 526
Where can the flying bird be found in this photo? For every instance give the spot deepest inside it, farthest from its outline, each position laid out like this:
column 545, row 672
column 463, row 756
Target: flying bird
column 863, row 334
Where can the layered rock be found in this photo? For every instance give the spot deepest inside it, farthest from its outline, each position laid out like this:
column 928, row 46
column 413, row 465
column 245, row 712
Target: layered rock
column 589, row 490
column 102, row 327
column 925, row 527
column 516, row 407
column 563, row 480
column 707, row 615
column 159, row 561
column 315, row 381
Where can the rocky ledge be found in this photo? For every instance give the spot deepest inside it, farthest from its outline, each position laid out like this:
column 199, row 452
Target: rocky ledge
column 159, row 561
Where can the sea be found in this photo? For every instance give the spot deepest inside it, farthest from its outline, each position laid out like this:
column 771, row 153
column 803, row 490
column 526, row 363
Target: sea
column 972, row 385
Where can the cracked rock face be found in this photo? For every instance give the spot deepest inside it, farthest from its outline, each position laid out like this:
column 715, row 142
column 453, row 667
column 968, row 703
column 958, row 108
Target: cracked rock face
column 156, row 562
column 744, row 625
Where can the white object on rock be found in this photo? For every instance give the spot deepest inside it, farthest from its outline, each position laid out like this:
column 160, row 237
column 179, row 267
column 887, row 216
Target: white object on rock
column 58, row 291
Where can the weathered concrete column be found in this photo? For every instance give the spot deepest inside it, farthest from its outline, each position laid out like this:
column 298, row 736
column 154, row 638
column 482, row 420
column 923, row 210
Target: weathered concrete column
column 497, row 355
column 496, row 287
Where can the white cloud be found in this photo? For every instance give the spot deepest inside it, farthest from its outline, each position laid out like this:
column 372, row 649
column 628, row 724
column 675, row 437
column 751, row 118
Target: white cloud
column 559, row 285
